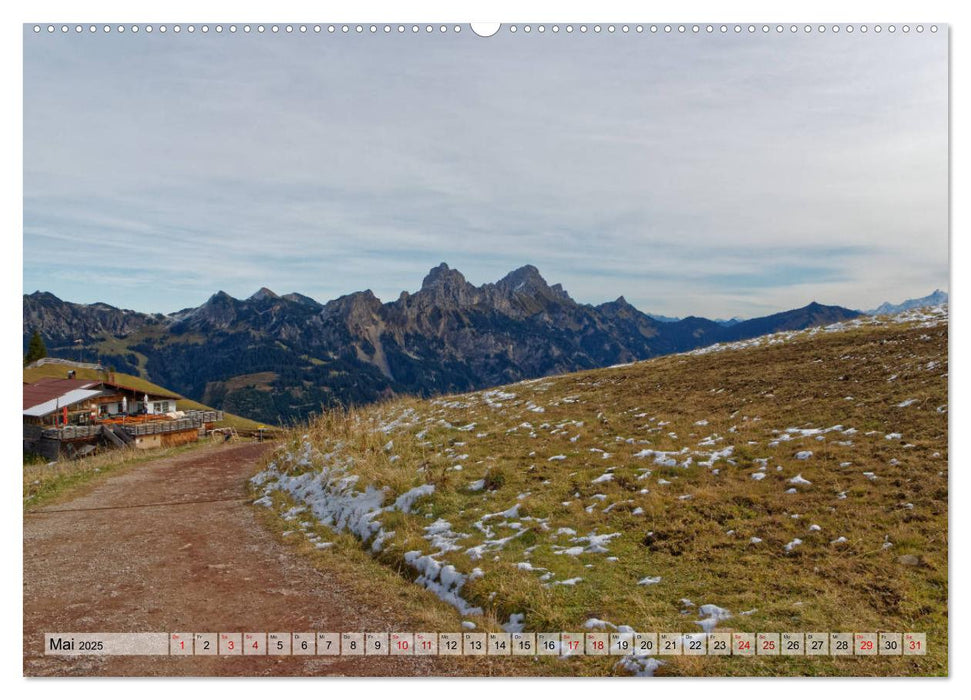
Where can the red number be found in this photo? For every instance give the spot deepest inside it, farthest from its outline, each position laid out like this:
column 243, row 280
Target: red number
column 866, row 645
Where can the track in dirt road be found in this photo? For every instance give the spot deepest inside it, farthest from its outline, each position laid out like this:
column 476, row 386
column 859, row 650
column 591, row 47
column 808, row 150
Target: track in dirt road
column 174, row 545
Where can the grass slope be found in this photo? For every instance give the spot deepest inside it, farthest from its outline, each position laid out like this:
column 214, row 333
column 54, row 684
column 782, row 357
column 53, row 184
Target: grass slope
column 32, row 374
column 702, row 470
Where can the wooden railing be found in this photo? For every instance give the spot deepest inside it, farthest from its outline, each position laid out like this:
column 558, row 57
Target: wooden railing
column 169, row 426
column 144, row 425
column 72, row 432
column 207, row 416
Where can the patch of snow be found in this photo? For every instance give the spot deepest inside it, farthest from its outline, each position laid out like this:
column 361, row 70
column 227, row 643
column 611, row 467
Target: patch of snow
column 405, row 501
column 441, row 536
column 445, row 581
column 714, row 615
column 641, row 666
column 515, row 623
column 527, row 566
column 596, row 544
column 597, row 624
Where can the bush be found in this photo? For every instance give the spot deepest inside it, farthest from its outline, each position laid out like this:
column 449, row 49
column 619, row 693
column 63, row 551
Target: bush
column 495, row 479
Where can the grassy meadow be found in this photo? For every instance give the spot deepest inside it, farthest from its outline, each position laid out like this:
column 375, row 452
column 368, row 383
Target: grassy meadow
column 799, row 482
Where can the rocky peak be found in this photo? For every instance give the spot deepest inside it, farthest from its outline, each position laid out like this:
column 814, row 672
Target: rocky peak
column 298, row 298
column 524, row 292
column 263, row 294
column 219, row 311
column 356, row 307
column 558, row 291
column 445, row 287
column 443, row 277
column 621, row 308
column 220, row 297
column 39, row 296
column 525, row 279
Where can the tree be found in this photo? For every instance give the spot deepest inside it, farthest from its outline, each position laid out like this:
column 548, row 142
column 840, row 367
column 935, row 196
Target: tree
column 35, row 348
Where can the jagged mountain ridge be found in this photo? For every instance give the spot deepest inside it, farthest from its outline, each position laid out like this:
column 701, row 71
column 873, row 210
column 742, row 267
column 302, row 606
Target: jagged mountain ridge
column 277, row 357
column 62, row 322
column 935, row 298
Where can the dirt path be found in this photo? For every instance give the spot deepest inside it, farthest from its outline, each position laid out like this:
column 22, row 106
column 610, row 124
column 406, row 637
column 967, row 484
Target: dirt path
column 173, row 545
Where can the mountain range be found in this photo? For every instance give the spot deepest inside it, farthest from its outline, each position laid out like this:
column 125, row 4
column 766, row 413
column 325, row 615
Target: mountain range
column 720, row 321
column 935, row 298
column 281, row 358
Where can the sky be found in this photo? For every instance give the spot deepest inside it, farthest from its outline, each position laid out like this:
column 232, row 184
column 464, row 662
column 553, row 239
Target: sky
column 712, row 175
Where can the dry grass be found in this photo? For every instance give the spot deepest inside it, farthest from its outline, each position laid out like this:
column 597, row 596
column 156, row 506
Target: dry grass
column 693, row 531
column 373, row 585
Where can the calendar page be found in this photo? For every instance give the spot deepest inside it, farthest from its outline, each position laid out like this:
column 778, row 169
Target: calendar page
column 521, row 349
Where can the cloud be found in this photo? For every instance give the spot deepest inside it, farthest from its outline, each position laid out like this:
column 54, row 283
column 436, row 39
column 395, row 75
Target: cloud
column 706, row 174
